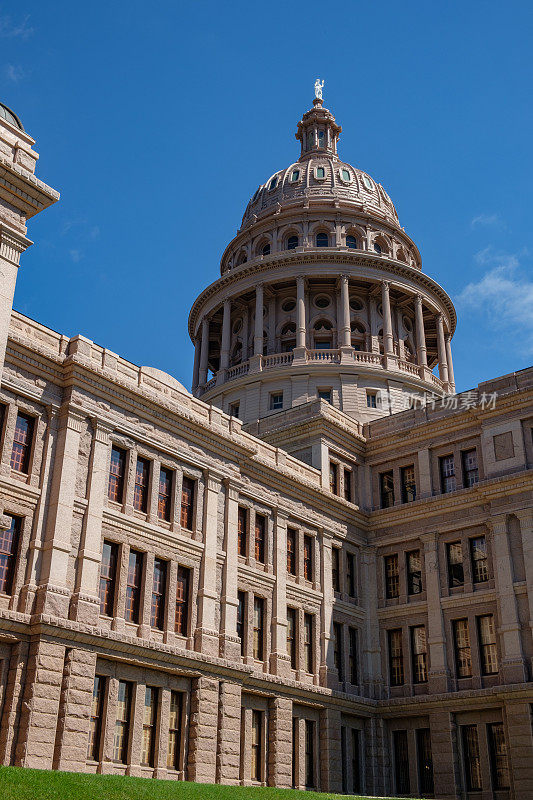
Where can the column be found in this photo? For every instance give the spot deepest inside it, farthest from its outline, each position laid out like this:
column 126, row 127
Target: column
column 328, row 672
column 280, row 742
column 226, row 335
column 330, row 750
column 271, row 348
column 74, row 710
column 388, row 346
column 372, row 677
column 279, row 658
column 204, row 352
column 230, row 646
column 11, row 246
column 206, row 635
column 196, row 366
column 345, row 330
column 439, row 674
column 525, row 517
column 420, row 334
column 445, row 753
column 229, row 734
column 202, row 753
column 451, row 378
column 300, row 351
column 258, row 331
column 441, row 350
column 245, row 331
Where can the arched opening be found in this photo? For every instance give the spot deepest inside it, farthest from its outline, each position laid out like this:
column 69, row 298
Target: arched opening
column 265, row 250
column 352, row 243
column 241, row 258
column 358, row 336
column 322, row 239
column 236, row 354
column 288, row 337
column 322, row 335
column 292, row 242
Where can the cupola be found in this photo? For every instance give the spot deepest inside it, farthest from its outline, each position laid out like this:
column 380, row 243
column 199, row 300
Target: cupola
column 318, row 132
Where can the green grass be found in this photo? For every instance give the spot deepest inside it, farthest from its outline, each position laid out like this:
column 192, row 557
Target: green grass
column 35, row 784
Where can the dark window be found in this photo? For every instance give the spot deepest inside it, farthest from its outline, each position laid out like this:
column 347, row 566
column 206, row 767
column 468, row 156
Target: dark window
column 470, row 467
column 257, row 745
column 471, row 758
column 159, row 590
column 338, row 649
column 386, row 489
column 325, row 394
column 308, row 642
column 291, row 636
column 333, row 477
column 291, row 551
column 260, row 536
column 356, row 761
column 414, row 572
column 295, row 742
column 348, row 485
column 234, row 408
column 295, row 175
column 478, row 555
column 122, row 723
column 377, row 247
column 242, row 530
column 21, row 452
column 498, row 756
column 352, row 633
column 425, row 760
column 241, row 615
column 407, row 477
column 259, row 628
column 181, row 624
column 322, row 239
column 95, row 728
column 276, row 401
column 164, row 499
column 351, row 242
column 463, row 654
column 350, row 574
column 292, row 242
column 401, row 762
column 9, row 543
column 117, row 464
column 487, row 644
column 308, row 558
column 392, row 577
column 335, row 569
column 149, row 726
column 456, row 575
column 396, row 674
column 108, row 572
column 266, row 250
column 309, row 754
column 174, row 730
column 419, row 654
column 133, row 586
column 273, row 182
column 447, row 474
column 142, row 480
column 371, row 400
column 187, row 502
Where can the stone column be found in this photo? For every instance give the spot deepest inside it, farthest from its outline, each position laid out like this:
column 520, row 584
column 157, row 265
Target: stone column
column 12, row 244
column 226, row 336
column 439, row 674
column 328, row 672
column 441, row 349
column 75, row 710
column 204, row 352
column 299, row 352
column 330, row 750
column 229, row 734
column 525, row 517
column 344, row 305
column 445, row 747
column 196, row 366
column 388, row 345
column 206, row 635
column 271, row 347
column 421, row 352
column 258, row 330
column 519, row 737
column 203, row 724
column 85, row 603
column 12, row 701
column 245, row 331
column 230, row 645
column 279, row 658
column 451, row 378
column 280, row 742
column 372, row 678
column 513, row 666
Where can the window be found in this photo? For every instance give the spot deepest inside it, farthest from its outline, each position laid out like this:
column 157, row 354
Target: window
column 350, row 574
column 174, row 730
column 133, row 586
column 333, row 477
column 487, row 645
column 20, row 454
column 392, row 577
column 292, row 242
column 181, row 623
column 234, row 409
column 498, row 756
column 117, row 464
column 309, row 754
column 371, row 400
column 471, row 758
column 149, row 722
column 122, row 723
column 447, row 474
column 335, row 569
column 9, row 543
column 273, row 182
column 187, row 502
column 259, row 627
column 478, row 556
column 414, row 572
column 95, row 727
column 295, row 174
column 291, row 551
column 324, row 394
column 407, row 478
column 108, row 572
column 396, row 675
column 352, row 662
column 241, row 615
column 276, row 401
column 320, row 171
column 288, row 305
column 386, row 489
column 401, row 762
column 242, row 530
column 419, row 654
column 377, row 248
column 159, row 588
column 454, row 553
column 345, row 175
column 425, row 761
column 291, row 636
column 265, row 251
column 463, row 655
column 470, row 467
column 165, row 494
column 322, row 238
column 308, row 558
column 308, row 642
column 348, row 484
column 257, row 730
column 351, row 242
column 260, row 535
column 338, row 649
column 142, row 479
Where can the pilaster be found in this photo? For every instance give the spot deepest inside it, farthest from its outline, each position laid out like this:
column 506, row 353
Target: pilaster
column 439, row 674
column 279, row 658
column 230, row 646
column 206, row 639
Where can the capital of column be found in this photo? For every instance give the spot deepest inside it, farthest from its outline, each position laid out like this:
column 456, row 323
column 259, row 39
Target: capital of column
column 102, row 430
column 213, row 480
column 232, row 489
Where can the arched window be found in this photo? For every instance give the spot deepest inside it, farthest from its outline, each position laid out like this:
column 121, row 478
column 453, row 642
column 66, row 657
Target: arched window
column 295, row 175
column 265, row 250
column 358, row 336
column 242, row 258
column 292, row 242
column 288, row 337
column 236, row 355
column 273, row 182
column 322, row 240
column 321, row 138
column 323, row 334
column 351, row 242
column 377, row 247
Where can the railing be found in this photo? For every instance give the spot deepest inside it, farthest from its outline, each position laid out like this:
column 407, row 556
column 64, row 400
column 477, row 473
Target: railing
column 276, row 360
column 362, row 357
column 408, row 366
column 436, row 381
column 237, row 371
column 330, row 356
column 210, row 384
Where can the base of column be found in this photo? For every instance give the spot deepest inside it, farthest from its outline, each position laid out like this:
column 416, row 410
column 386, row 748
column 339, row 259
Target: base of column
column 206, row 641
column 329, row 677
column 346, row 354
column 299, row 355
column 85, row 608
column 280, row 665
column 390, row 361
column 52, row 600
column 439, row 682
column 514, row 671
column 230, row 647
column 27, row 598
column 256, row 364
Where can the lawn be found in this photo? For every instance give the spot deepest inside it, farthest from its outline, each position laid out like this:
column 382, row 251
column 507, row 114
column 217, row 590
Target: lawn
column 33, row 784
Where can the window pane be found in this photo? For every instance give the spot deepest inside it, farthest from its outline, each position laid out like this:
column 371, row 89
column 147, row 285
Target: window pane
column 401, row 762
column 140, row 491
column 447, row 474
column 21, row 451
column 414, row 572
column 157, row 617
column 407, row 475
column 396, row 673
column 392, row 577
column 291, row 551
column 95, row 729
column 260, row 532
column 174, row 730
column 165, row 494
column 498, row 756
column 182, row 601
column 257, row 728
column 308, row 642
column 478, row 553
column 133, row 586
column 308, row 558
column 116, row 475
column 463, row 658
column 291, row 636
column 487, row 642
column 309, row 754
column 419, row 654
column 258, row 628
column 455, row 564
column 386, row 489
column 122, row 723
column 9, row 542
column 187, row 503
column 425, row 760
column 471, row 758
column 149, row 721
column 108, row 568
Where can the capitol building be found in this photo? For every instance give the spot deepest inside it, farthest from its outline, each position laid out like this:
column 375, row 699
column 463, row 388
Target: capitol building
column 313, row 571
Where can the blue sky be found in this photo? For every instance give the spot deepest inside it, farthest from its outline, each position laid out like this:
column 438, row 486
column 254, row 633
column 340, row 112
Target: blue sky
column 156, row 122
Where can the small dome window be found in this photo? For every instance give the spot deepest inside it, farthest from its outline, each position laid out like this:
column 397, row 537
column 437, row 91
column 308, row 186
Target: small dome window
column 368, row 183
column 273, row 183
column 351, row 242
column 288, row 305
column 292, row 242
column 265, row 250
column 356, row 304
column 322, row 240
column 346, row 175
column 377, row 247
column 322, row 301
column 320, row 172
column 295, row 175
column 321, row 138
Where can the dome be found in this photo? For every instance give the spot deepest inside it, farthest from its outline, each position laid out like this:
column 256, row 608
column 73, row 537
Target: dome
column 10, row 116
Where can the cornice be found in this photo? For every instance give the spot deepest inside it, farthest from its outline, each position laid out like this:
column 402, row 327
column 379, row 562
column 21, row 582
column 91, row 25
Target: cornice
column 23, row 190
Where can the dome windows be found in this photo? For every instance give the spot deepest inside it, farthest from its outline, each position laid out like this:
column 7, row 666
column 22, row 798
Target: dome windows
column 356, row 304
column 322, row 301
column 321, row 138
column 265, row 251
column 273, row 183
column 288, row 305
column 345, row 175
column 292, row 243
column 322, row 240
column 320, row 173
column 368, row 183
column 295, row 176
column 377, row 248
column 351, row 242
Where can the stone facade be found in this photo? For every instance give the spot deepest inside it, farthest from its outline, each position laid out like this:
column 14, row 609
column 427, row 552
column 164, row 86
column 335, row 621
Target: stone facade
column 320, row 595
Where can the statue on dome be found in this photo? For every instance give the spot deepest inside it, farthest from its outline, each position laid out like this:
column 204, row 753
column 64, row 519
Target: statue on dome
column 318, row 89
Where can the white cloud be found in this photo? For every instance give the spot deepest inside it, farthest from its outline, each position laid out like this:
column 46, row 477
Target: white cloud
column 487, row 221
column 14, row 73
column 14, row 30
column 76, row 255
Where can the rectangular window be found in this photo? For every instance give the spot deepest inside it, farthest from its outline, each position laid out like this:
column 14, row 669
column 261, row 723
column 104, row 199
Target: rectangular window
column 447, row 474
column 338, row 649
column 348, row 485
column 386, row 489
column 371, row 400
column 257, row 749
column 9, row 544
column 241, row 616
column 335, row 569
column 308, row 642
column 401, row 762
column 117, row 465
column 181, row 624
column 356, row 761
column 419, row 654
column 259, row 628
column 498, row 756
column 133, row 586
column 122, row 723
column 407, row 478
column 164, row 499
column 456, row 574
column 425, row 760
column 234, row 409
column 392, row 577
column 309, row 754
column 471, row 758
column 187, row 503
column 396, row 675
column 350, row 574
column 352, row 664
column 478, row 557
column 325, row 394
column 414, row 572
column 291, row 636
column 260, row 536
column 487, row 645
column 142, row 481
column 149, row 724
column 21, row 452
column 159, row 590
column 470, row 467
column 333, row 478
column 276, row 401
column 174, row 730
column 308, row 558
column 108, row 573
column 463, row 654
column 242, row 531
column 291, row 551
column 95, row 729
